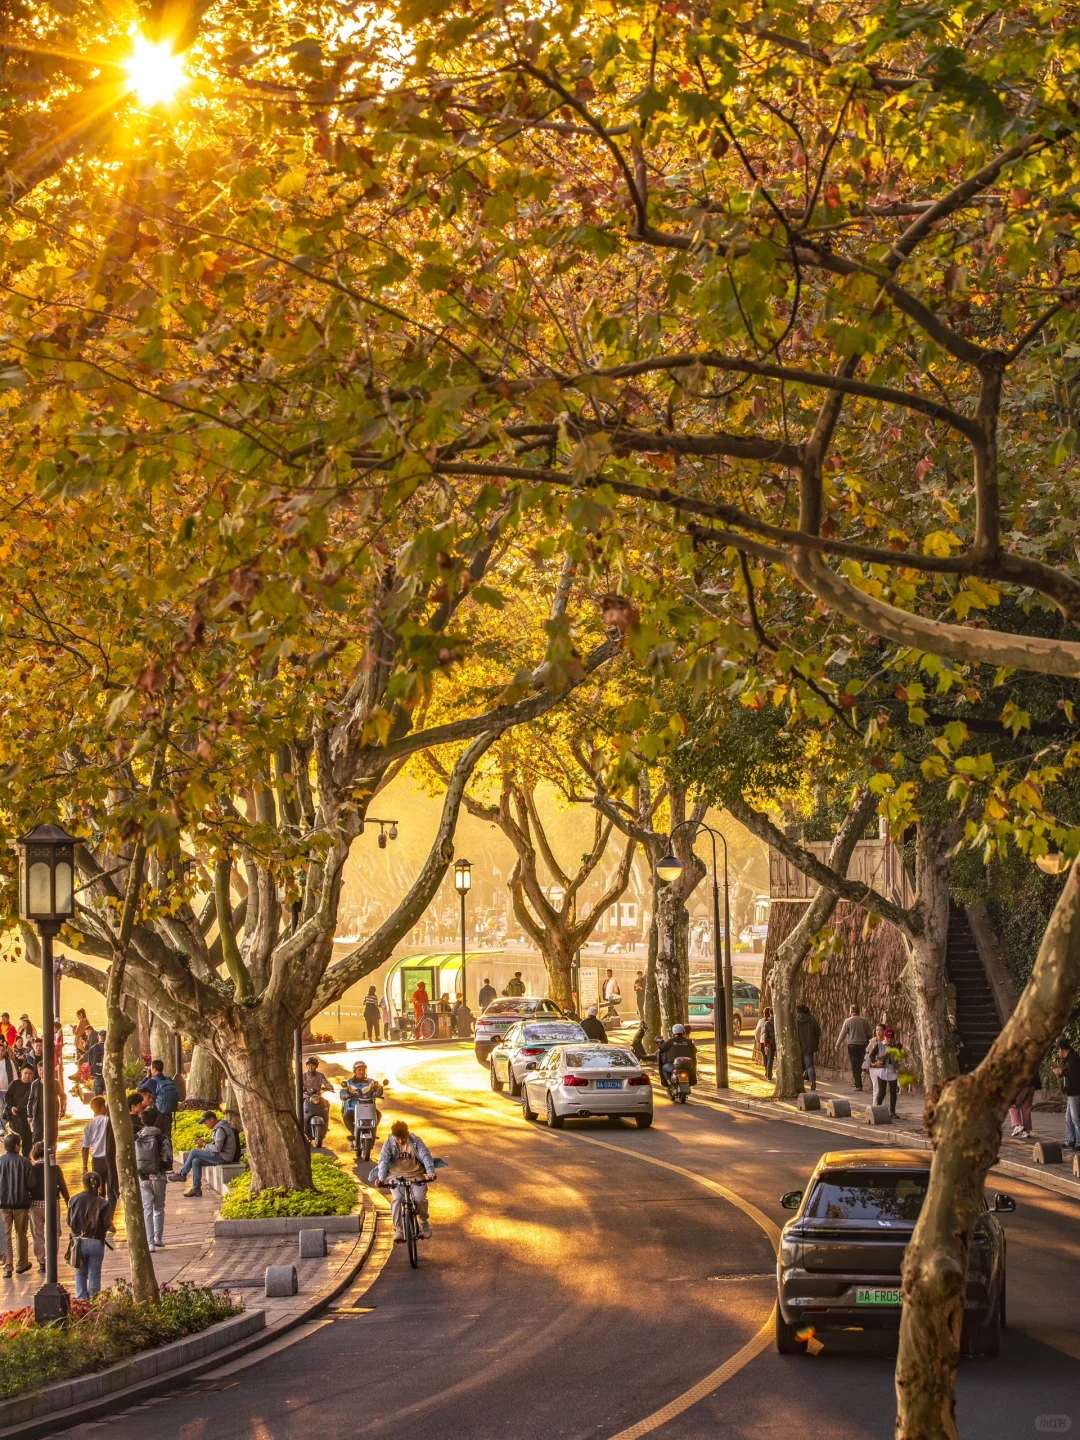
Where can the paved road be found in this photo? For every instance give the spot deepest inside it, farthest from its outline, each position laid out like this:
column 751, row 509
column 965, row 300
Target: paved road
column 575, row 1287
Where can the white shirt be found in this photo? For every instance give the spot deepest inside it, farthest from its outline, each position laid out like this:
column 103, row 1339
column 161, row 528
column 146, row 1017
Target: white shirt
column 94, row 1136
column 611, row 988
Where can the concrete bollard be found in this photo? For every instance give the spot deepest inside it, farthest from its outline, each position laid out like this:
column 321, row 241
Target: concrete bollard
column 1076, row 1166
column 312, row 1244
column 280, row 1281
column 808, row 1101
column 838, row 1109
column 879, row 1115
column 1047, row 1152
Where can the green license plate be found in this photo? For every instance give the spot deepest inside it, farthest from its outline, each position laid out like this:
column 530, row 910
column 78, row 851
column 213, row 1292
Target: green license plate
column 872, row 1295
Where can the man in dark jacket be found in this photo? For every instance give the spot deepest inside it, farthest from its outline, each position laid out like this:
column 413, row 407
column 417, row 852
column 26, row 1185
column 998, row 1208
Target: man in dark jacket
column 1069, row 1074
column 670, row 1050
column 809, row 1040
column 487, row 994
column 16, row 1195
column 17, row 1111
column 95, row 1058
column 593, row 1027
column 163, row 1095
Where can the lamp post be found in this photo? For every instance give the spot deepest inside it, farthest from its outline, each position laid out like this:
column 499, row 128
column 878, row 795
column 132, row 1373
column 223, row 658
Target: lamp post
column 463, row 884
column 46, row 900
column 669, row 869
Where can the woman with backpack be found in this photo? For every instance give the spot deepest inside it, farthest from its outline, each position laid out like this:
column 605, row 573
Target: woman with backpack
column 153, row 1161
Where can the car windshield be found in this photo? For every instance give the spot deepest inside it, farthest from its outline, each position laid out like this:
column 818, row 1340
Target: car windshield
column 551, row 1034
column 504, row 1007
column 609, row 1057
column 868, row 1195
column 705, row 988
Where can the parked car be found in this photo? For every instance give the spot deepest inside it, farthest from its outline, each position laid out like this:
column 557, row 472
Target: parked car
column 840, row 1257
column 587, row 1080
column 501, row 1015
column 746, row 999
column 527, row 1041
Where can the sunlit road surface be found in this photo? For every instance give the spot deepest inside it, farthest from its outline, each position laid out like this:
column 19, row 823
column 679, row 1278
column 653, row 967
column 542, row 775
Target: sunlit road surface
column 609, row 1282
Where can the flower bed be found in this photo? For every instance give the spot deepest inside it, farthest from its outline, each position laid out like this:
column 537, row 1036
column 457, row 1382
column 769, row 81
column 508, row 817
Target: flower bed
column 102, row 1332
column 334, row 1194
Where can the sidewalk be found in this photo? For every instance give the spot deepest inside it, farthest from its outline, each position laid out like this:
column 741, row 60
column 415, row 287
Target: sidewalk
column 748, row 1089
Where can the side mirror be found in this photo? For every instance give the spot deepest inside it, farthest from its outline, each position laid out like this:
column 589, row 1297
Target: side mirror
column 531, row 1065
column 792, row 1200
column 1004, row 1204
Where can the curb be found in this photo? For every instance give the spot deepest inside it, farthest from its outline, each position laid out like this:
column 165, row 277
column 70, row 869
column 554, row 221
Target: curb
column 291, row 1225
column 903, row 1139
column 48, row 1419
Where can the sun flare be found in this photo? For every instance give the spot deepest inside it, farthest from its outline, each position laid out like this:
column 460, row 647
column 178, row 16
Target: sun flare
column 154, row 72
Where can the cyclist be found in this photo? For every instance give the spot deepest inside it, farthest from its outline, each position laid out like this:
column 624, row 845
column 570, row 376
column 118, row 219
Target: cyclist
column 358, row 1087
column 404, row 1156
column 669, row 1050
column 315, row 1082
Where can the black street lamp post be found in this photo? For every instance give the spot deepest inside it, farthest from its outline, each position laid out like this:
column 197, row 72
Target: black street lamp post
column 47, row 900
column 463, row 884
column 670, row 868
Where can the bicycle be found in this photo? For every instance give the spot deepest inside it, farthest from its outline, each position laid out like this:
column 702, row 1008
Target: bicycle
column 409, row 1223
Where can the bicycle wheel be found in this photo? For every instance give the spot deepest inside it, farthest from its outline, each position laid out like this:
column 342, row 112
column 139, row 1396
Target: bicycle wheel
column 425, row 1030
column 411, row 1233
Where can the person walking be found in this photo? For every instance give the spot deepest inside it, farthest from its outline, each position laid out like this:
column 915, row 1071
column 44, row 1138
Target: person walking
column 372, row 1013
column 153, row 1161
column 16, row 1196
column 1068, row 1072
column 880, row 1061
column 20, row 1094
column 8, row 1074
column 1020, row 1109
column 84, row 1034
column 515, row 987
column 95, row 1058
column 856, row 1034
column 809, row 1040
column 640, row 986
column 90, row 1218
column 487, row 994
column 95, row 1144
column 161, row 1091
column 224, row 1149
column 765, row 1040
column 8, row 1032
column 37, row 1200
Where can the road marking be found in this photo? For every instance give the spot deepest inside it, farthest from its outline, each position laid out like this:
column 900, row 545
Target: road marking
column 761, row 1341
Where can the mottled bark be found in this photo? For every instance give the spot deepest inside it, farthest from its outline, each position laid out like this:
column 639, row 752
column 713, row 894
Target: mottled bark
column 927, row 969
column 205, row 1077
column 260, row 1071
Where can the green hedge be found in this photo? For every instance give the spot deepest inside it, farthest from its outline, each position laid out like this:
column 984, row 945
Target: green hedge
column 334, row 1194
column 101, row 1333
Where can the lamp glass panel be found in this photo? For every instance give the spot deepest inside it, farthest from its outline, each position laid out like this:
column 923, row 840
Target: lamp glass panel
column 65, row 899
column 463, row 879
column 669, row 868
column 39, row 889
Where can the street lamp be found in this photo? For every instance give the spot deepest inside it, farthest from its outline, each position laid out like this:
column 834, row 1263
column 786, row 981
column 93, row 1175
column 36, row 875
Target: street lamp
column 47, row 900
column 669, row 869
column 463, row 884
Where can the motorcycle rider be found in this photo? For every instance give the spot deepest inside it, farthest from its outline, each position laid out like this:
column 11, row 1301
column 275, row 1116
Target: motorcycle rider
column 315, row 1082
column 358, row 1087
column 668, row 1051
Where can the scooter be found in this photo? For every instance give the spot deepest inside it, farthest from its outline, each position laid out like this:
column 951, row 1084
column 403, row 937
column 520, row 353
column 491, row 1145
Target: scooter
column 315, row 1121
column 365, row 1127
column 681, row 1080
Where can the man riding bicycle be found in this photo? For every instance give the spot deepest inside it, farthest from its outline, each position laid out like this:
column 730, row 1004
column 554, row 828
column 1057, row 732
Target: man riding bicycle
column 669, row 1051
column 405, row 1157
column 358, row 1087
column 315, row 1082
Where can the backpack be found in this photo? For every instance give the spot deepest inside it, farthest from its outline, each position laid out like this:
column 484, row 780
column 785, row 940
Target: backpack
column 166, row 1099
column 230, row 1151
column 148, row 1151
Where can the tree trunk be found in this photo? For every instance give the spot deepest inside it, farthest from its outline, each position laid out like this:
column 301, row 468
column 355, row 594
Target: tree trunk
column 964, row 1122
column 146, row 1046
column 261, row 1074
column 558, row 952
column 784, row 994
column 672, row 959
column 161, row 1042
column 205, row 1078
column 934, row 1037
column 120, row 1027
column 652, row 1037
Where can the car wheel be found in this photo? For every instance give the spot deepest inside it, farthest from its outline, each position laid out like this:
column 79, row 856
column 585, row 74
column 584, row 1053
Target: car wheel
column 736, row 1025
column 786, row 1342
column 643, row 1121
column 496, row 1083
column 526, row 1109
column 554, row 1120
column 512, row 1083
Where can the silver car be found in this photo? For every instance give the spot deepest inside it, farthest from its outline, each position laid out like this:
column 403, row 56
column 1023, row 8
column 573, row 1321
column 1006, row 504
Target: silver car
column 526, row 1044
column 502, row 1015
column 587, row 1080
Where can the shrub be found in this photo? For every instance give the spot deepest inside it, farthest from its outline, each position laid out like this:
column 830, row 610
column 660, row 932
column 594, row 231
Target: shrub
column 101, row 1333
column 334, row 1194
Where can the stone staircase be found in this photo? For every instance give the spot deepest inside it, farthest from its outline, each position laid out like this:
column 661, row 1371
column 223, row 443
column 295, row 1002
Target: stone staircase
column 977, row 1016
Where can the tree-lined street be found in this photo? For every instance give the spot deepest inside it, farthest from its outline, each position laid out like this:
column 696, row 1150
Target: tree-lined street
column 574, row 1288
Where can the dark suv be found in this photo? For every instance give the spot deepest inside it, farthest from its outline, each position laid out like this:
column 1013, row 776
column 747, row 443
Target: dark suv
column 840, row 1257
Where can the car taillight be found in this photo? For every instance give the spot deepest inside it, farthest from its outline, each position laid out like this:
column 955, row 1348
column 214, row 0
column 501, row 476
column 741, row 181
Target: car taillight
column 574, row 1080
column 638, row 1080
column 532, row 1052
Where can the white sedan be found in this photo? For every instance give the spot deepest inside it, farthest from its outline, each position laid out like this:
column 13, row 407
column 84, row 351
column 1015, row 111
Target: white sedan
column 526, row 1044
column 587, row 1080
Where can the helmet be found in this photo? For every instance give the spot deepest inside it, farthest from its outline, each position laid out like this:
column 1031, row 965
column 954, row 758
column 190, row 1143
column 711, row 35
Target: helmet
column 678, row 1029
column 313, row 1060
